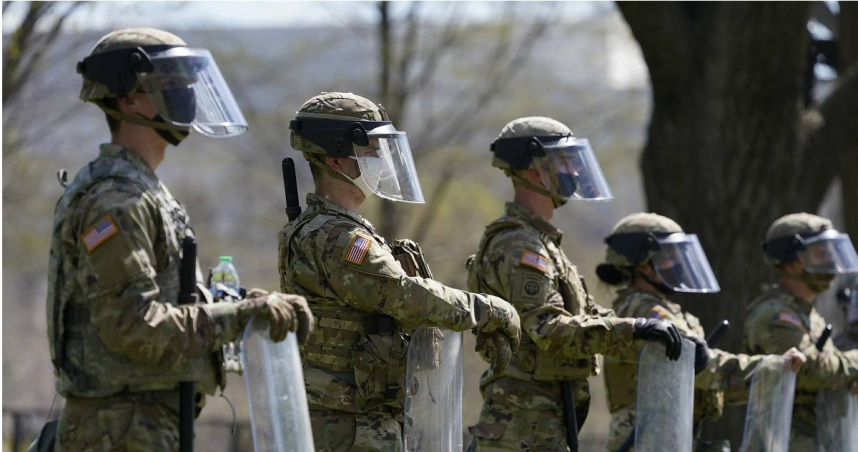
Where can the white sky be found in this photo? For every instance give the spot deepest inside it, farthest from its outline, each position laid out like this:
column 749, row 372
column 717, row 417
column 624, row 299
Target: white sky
column 260, row 14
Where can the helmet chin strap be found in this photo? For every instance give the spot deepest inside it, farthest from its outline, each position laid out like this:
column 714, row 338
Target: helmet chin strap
column 170, row 133
column 319, row 163
column 558, row 201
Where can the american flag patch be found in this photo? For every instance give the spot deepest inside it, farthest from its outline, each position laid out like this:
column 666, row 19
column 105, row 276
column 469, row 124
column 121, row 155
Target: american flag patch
column 534, row 260
column 789, row 317
column 99, row 234
column 358, row 248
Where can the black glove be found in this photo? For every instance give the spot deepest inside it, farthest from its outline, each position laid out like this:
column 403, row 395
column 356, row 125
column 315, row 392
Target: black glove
column 659, row 330
column 701, row 354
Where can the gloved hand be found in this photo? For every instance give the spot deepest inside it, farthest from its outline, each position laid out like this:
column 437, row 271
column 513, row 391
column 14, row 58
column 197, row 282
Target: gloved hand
column 285, row 312
column 497, row 321
column 662, row 331
column 701, row 354
column 794, row 359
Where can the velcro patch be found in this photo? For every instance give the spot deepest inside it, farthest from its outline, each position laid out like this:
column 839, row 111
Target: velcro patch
column 658, row 312
column 789, row 317
column 357, row 249
column 99, row 234
column 534, row 260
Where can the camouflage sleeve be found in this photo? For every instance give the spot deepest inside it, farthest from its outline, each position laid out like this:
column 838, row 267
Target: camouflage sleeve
column 364, row 274
column 524, row 278
column 728, row 372
column 118, row 231
column 773, row 331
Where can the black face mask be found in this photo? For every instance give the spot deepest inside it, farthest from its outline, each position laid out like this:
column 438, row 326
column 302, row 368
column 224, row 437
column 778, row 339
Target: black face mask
column 181, row 104
column 566, row 180
column 660, row 286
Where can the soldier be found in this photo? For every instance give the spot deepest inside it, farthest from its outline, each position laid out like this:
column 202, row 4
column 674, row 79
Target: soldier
column 652, row 258
column 847, row 300
column 807, row 252
column 119, row 343
column 519, row 258
column 364, row 303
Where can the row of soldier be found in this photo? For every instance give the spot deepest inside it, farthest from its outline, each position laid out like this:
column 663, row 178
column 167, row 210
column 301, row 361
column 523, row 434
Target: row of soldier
column 120, row 344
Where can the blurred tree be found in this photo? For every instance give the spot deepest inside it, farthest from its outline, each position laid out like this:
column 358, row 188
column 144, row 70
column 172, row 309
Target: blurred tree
column 732, row 144
column 409, row 68
column 25, row 50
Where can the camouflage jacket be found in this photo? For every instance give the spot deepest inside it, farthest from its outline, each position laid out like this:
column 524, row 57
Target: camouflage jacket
column 365, row 307
column 113, row 282
column 726, row 371
column 777, row 321
column 520, row 260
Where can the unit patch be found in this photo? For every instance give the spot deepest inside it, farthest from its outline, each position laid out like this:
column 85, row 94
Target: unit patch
column 790, row 318
column 358, row 249
column 534, row 260
column 658, row 312
column 531, row 287
column 97, row 235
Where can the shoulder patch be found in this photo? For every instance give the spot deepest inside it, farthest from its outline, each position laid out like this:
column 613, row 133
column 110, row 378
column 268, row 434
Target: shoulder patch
column 790, row 318
column 534, row 260
column 658, row 312
column 97, row 235
column 357, row 249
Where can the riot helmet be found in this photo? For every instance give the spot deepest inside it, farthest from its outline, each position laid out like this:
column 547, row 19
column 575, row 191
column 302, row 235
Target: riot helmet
column 344, row 125
column 567, row 165
column 676, row 257
column 183, row 83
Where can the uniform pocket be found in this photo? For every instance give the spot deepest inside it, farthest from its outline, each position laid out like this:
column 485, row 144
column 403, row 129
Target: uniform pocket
column 115, row 422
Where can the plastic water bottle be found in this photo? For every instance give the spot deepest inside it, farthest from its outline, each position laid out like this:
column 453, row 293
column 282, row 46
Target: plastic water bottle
column 225, row 273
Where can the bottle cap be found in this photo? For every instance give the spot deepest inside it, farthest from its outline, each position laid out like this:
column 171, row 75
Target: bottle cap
column 225, row 258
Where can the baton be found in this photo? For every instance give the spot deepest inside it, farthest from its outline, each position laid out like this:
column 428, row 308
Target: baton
column 290, row 185
column 823, row 338
column 713, row 338
column 187, row 295
column 570, row 418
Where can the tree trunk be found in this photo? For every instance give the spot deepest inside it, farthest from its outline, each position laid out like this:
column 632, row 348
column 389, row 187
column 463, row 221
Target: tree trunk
column 730, row 145
column 848, row 40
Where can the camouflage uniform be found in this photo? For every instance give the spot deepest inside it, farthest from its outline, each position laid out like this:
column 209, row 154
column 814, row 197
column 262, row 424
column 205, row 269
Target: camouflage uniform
column 520, row 260
column 777, row 321
column 725, row 371
column 119, row 344
column 365, row 305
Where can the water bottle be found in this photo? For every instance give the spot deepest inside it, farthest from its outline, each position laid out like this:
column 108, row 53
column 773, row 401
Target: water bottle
column 226, row 274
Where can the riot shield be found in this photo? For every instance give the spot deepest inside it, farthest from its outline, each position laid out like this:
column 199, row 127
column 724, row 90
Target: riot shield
column 769, row 415
column 433, row 392
column 665, row 400
column 275, row 391
column 837, row 420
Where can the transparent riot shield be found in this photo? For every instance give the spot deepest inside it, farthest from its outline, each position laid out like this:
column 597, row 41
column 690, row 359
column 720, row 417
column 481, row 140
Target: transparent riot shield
column 665, row 400
column 275, row 391
column 837, row 420
column 433, row 393
column 769, row 415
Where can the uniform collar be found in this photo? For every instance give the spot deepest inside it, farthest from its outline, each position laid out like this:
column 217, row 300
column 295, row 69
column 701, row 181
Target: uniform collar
column 532, row 219
column 795, row 303
column 129, row 155
column 319, row 202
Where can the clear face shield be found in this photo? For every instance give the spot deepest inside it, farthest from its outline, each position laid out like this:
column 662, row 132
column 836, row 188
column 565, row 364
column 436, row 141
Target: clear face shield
column 387, row 167
column 187, row 89
column 570, row 170
column 829, row 252
column 682, row 265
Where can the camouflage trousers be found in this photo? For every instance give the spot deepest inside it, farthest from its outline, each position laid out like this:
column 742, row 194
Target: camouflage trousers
column 124, row 422
column 623, row 423
column 525, row 416
column 338, row 431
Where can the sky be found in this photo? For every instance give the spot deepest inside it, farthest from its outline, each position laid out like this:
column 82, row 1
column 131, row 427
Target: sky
column 261, row 14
